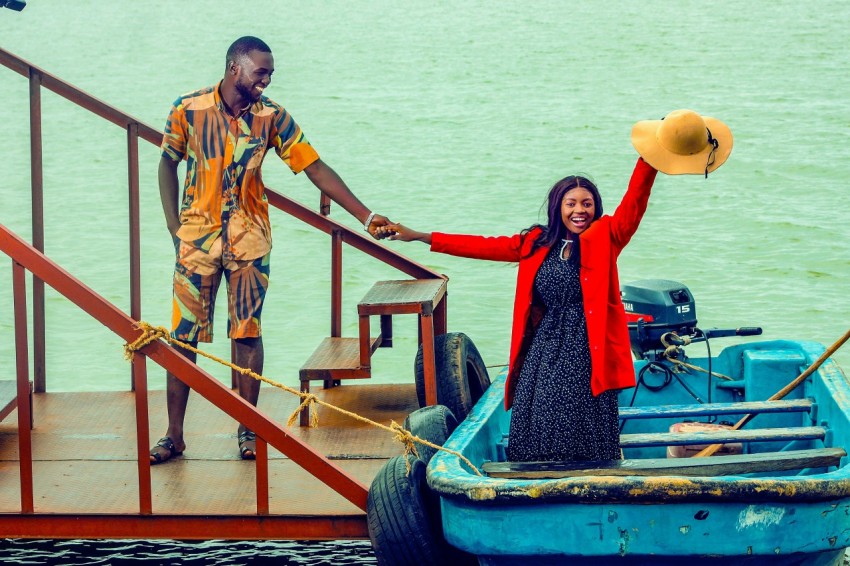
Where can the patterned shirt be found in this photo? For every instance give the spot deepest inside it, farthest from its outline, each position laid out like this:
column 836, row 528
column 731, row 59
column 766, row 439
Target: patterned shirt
column 224, row 193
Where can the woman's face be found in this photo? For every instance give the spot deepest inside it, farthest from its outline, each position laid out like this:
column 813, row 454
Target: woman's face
column 577, row 210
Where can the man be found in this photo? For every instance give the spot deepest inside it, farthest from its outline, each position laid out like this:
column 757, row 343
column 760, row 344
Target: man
column 222, row 225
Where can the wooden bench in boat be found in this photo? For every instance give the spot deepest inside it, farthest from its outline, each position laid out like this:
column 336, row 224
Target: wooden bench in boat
column 737, row 464
column 722, row 436
column 707, row 409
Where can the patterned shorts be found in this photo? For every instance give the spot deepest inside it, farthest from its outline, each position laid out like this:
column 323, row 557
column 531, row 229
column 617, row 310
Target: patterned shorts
column 197, row 275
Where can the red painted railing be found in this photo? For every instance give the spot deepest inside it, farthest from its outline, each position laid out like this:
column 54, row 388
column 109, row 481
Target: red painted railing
column 30, row 257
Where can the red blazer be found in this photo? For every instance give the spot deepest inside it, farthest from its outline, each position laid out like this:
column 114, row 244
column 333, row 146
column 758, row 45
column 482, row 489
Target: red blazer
column 601, row 244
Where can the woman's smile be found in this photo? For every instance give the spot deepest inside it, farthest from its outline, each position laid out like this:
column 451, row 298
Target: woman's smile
column 578, row 210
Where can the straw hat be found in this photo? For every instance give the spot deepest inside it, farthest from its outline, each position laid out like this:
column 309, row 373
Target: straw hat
column 683, row 142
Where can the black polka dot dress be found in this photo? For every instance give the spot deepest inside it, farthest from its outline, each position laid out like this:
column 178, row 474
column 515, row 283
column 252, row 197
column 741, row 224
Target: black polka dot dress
column 555, row 417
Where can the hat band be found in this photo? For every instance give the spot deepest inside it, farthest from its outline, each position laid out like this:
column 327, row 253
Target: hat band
column 711, row 157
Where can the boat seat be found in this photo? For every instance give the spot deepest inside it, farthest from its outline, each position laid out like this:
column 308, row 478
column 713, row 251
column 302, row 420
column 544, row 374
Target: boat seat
column 707, row 409
column 721, row 436
column 737, row 464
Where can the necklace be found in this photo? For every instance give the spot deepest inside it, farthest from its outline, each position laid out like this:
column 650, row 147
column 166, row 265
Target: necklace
column 566, row 250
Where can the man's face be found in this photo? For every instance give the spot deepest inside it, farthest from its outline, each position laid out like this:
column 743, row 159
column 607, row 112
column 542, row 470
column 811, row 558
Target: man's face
column 253, row 74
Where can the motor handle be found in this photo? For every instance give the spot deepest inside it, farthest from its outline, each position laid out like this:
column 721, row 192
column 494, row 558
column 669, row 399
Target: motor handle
column 742, row 331
column 671, row 338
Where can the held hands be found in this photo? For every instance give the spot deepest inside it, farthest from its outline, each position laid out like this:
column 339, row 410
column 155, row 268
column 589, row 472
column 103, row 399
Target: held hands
column 376, row 227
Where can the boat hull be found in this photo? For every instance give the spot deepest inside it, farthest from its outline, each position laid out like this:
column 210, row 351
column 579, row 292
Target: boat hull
column 795, row 518
column 681, row 533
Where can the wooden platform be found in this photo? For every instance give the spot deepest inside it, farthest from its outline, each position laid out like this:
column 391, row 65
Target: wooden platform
column 85, row 465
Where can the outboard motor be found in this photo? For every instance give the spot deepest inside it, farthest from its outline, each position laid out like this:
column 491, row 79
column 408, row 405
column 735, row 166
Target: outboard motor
column 659, row 311
column 655, row 307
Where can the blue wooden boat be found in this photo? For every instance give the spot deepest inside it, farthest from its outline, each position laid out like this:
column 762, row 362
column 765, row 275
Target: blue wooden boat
column 780, row 495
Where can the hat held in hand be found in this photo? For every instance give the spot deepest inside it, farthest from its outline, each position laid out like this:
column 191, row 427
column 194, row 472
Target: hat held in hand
column 683, row 142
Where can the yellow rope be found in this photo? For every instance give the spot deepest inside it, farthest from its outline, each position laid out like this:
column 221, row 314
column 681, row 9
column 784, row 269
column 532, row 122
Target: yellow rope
column 308, row 400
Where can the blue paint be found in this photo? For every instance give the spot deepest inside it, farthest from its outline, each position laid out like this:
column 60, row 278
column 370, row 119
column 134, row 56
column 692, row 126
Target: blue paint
column 780, row 518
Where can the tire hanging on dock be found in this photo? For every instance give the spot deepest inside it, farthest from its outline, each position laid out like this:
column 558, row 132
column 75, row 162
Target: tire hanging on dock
column 434, row 424
column 404, row 518
column 462, row 376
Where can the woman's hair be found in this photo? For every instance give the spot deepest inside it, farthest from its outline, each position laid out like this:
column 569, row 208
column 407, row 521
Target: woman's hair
column 555, row 231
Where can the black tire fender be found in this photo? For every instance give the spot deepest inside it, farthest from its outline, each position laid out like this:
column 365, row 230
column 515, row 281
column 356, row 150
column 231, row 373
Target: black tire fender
column 462, row 376
column 434, row 424
column 404, row 521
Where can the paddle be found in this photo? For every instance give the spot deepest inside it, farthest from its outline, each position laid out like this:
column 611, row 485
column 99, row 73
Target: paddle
column 711, row 449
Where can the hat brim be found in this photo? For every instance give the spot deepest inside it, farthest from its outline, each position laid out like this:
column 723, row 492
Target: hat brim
column 646, row 143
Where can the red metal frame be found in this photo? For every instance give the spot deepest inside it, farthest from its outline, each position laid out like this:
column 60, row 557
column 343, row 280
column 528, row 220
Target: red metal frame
column 31, row 258
column 181, row 527
column 200, row 381
column 23, row 382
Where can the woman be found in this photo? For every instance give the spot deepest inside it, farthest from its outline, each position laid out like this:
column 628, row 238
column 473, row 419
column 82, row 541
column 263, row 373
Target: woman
column 570, row 344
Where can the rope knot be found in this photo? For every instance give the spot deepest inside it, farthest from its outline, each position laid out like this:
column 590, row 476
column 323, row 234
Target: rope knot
column 404, row 436
column 149, row 334
column 308, row 401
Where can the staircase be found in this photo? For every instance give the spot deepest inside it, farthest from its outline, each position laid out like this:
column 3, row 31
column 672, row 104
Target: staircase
column 338, row 357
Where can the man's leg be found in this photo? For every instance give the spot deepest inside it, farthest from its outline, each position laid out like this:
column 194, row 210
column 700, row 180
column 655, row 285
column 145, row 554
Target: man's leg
column 196, row 279
column 249, row 354
column 247, row 281
column 177, row 396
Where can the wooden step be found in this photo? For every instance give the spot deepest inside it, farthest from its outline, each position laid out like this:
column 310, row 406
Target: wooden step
column 337, row 358
column 708, row 466
column 706, row 409
column 408, row 296
column 721, row 436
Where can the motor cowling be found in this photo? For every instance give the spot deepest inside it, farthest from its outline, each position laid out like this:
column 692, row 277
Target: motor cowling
column 655, row 307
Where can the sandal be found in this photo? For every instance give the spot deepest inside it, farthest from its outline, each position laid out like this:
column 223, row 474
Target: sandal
column 246, row 450
column 157, row 457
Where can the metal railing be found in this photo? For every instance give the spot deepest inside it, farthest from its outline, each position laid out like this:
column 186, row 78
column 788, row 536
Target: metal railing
column 136, row 129
column 30, row 257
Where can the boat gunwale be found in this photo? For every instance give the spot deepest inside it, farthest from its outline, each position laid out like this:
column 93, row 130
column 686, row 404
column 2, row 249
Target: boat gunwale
column 448, row 477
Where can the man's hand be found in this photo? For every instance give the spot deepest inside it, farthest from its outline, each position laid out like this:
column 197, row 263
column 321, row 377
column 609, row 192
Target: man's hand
column 375, row 227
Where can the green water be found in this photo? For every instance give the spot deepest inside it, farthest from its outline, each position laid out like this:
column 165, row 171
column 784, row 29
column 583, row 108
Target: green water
column 452, row 117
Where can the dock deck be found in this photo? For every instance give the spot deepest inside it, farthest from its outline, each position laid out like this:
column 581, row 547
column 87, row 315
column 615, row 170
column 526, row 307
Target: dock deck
column 85, row 469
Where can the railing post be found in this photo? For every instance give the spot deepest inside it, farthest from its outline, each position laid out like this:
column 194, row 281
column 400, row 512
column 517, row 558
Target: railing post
column 19, row 290
column 37, row 184
column 140, row 385
column 262, row 467
column 138, row 369
column 336, row 283
column 135, row 246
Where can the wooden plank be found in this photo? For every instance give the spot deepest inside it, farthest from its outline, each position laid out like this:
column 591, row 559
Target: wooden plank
column 337, row 358
column 721, row 436
column 705, row 409
column 89, row 439
column 402, row 297
column 8, row 397
column 710, row 466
